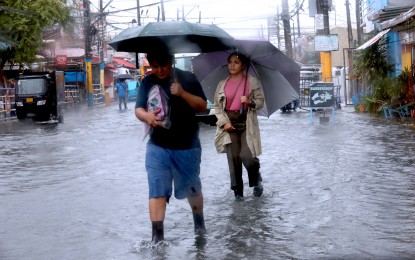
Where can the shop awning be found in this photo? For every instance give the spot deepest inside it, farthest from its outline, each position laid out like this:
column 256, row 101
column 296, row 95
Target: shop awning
column 123, row 63
column 373, row 40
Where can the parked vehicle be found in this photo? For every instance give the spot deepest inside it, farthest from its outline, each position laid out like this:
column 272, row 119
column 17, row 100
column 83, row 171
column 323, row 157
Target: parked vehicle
column 310, row 72
column 290, row 106
column 209, row 116
column 40, row 95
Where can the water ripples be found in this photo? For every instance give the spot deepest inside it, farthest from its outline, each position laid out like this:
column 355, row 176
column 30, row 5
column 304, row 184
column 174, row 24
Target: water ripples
column 343, row 190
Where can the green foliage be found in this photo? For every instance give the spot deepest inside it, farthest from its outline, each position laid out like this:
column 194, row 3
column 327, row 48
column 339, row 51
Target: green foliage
column 387, row 91
column 371, row 67
column 24, row 21
column 371, row 63
column 404, row 82
column 385, row 88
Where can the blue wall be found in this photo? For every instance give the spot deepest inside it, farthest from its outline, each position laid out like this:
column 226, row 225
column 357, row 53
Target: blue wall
column 394, row 50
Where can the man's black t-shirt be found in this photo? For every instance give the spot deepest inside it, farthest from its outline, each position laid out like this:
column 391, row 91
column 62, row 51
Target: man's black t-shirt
column 184, row 130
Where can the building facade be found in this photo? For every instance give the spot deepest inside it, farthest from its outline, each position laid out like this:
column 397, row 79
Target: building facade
column 394, row 20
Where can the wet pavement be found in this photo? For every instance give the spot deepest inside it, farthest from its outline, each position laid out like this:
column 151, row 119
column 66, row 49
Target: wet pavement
column 78, row 190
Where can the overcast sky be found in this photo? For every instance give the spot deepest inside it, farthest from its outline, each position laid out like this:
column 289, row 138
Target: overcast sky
column 241, row 18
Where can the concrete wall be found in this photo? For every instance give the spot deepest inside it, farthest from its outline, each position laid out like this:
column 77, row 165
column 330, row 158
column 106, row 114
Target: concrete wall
column 337, row 56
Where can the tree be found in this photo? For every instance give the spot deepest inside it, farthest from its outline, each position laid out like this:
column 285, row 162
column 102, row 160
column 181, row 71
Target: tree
column 24, row 21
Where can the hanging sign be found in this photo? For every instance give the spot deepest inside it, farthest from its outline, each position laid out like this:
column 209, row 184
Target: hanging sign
column 319, row 21
column 60, row 60
column 326, row 42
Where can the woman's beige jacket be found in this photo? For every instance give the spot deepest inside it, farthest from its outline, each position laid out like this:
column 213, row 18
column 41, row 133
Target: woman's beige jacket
column 253, row 137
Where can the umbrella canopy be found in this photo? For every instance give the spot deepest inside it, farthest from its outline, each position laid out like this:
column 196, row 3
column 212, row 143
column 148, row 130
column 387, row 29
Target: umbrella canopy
column 278, row 74
column 6, row 43
column 176, row 36
column 124, row 76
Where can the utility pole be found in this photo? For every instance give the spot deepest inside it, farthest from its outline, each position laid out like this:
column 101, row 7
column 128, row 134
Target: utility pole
column 88, row 66
column 294, row 40
column 352, row 81
column 138, row 13
column 287, row 29
column 325, row 56
column 298, row 18
column 138, row 64
column 358, row 25
column 349, row 25
column 101, row 49
column 298, row 47
column 278, row 28
column 163, row 17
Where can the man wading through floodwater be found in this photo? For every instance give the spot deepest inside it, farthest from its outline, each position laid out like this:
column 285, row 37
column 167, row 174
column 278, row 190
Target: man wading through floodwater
column 173, row 152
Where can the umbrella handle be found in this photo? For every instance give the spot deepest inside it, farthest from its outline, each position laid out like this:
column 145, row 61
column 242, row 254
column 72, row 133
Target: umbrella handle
column 174, row 74
column 244, row 106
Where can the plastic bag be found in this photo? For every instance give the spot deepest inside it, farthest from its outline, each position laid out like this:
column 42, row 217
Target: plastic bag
column 158, row 99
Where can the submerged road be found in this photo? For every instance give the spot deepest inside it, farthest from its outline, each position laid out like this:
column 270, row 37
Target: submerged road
column 78, row 190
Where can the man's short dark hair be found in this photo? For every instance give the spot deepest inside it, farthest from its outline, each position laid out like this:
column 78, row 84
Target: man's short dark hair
column 161, row 57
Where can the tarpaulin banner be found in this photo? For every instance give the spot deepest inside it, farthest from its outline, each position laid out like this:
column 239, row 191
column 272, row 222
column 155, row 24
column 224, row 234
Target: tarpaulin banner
column 74, row 76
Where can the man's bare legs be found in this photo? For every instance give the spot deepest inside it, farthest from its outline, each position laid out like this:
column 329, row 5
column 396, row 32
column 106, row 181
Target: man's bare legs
column 157, row 208
column 196, row 204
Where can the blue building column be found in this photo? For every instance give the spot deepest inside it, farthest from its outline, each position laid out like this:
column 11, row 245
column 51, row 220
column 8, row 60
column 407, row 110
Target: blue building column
column 394, row 52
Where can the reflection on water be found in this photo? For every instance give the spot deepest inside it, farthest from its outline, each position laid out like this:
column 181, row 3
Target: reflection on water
column 78, row 190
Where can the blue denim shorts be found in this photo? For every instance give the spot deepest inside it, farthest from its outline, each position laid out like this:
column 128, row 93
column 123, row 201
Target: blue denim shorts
column 168, row 168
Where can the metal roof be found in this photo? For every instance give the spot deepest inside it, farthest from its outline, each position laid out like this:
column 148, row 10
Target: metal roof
column 124, row 63
column 404, row 17
column 71, row 52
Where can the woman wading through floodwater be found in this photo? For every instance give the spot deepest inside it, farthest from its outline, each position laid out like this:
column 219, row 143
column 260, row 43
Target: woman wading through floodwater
column 237, row 98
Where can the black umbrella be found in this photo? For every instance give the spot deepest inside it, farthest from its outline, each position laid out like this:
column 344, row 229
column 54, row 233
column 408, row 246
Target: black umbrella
column 176, row 36
column 124, row 76
column 279, row 75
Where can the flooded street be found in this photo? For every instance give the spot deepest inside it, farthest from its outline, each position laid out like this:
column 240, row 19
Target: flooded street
column 78, row 190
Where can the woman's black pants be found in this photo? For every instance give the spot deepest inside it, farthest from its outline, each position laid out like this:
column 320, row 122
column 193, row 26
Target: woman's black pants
column 238, row 154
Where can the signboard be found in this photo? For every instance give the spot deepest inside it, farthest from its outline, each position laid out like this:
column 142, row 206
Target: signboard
column 319, row 21
column 326, row 42
column 60, row 60
column 322, row 94
column 407, row 37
